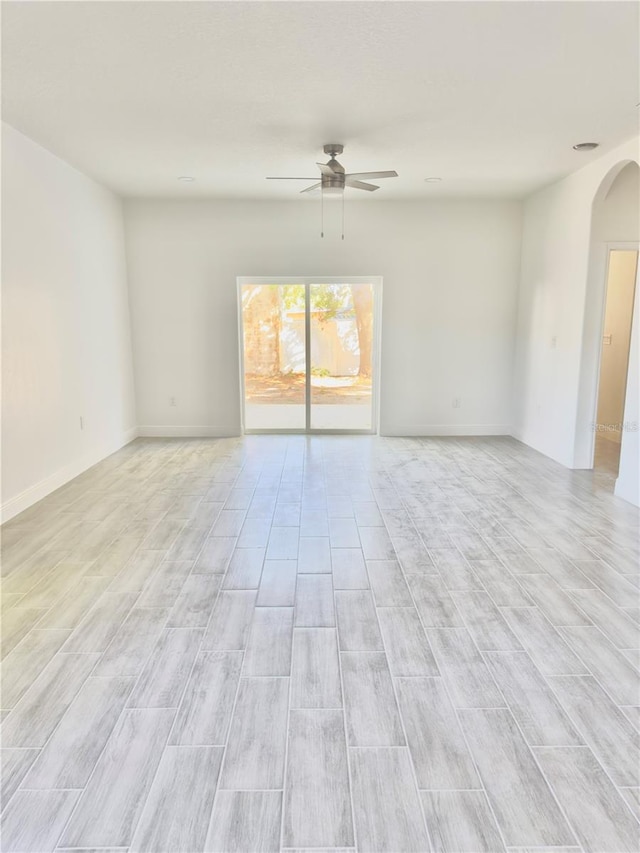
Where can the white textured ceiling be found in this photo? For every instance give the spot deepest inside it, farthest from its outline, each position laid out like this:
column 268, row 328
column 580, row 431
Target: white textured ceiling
column 490, row 96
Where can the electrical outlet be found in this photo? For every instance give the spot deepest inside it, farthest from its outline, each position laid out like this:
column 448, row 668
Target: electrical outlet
column 172, row 401
column 456, row 403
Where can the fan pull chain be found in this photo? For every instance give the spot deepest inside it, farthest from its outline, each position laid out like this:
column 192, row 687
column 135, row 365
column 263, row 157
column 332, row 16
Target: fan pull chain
column 321, row 212
column 343, row 214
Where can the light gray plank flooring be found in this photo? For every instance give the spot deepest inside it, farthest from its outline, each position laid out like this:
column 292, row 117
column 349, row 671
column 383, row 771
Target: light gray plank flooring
column 322, row 643
column 194, row 604
column 207, row 704
column 531, row 701
column 613, row 670
column 434, row 603
column 614, row 740
column 72, row 751
column 553, row 601
column 230, row 622
column 440, row 755
column 386, row 807
column 278, row 584
column 315, row 675
column 621, row 629
column 544, row 643
column 358, row 628
column 165, row 675
column 314, row 555
column 22, row 834
column 468, row 679
column 485, row 622
column 269, row 648
column 113, row 800
column 599, row 815
column 461, row 822
column 14, row 766
column 406, row 644
column 101, row 624
column 245, row 822
column 370, row 703
column 69, row 612
column 21, row 668
column 215, row 555
column 343, row 533
column 164, row 587
column 245, row 568
column 43, row 706
column 388, row 584
column 128, row 651
column 525, row 808
column 314, row 601
column 254, row 759
column 317, row 805
column 349, row 570
column 501, row 585
column 178, row 809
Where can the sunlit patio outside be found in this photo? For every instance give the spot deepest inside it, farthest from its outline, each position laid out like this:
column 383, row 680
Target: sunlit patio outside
column 341, row 324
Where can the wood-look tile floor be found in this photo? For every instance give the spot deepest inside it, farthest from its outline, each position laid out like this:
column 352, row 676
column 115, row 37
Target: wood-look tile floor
column 337, row 643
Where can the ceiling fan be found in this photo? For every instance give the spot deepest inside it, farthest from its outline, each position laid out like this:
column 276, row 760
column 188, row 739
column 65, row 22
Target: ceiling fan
column 334, row 178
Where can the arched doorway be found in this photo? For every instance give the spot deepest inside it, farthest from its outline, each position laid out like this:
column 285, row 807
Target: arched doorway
column 615, row 230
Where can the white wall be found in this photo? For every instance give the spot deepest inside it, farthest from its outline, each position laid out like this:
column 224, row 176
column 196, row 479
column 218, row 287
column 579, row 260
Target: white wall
column 551, row 311
column 66, row 343
column 450, row 286
column 560, row 312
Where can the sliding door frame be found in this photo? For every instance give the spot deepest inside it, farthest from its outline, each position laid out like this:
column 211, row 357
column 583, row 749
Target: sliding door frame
column 376, row 282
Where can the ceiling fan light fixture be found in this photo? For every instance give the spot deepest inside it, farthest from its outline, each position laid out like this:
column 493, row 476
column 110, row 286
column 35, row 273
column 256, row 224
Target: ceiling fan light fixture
column 432, row 180
column 586, row 146
column 186, row 179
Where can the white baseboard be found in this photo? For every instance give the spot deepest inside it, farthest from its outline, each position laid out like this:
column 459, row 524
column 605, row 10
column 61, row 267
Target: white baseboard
column 226, row 432
column 188, row 431
column 49, row 484
column 435, row 430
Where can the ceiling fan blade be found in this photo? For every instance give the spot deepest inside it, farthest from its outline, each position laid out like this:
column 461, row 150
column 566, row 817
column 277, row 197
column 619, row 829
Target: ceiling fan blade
column 326, row 170
column 360, row 185
column 289, row 179
column 372, row 175
column 312, row 187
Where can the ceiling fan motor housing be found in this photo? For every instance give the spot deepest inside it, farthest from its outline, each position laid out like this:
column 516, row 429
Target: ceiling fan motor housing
column 334, row 183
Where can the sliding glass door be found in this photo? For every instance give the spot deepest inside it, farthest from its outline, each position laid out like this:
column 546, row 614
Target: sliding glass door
column 274, row 356
column 341, row 331
column 309, row 354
